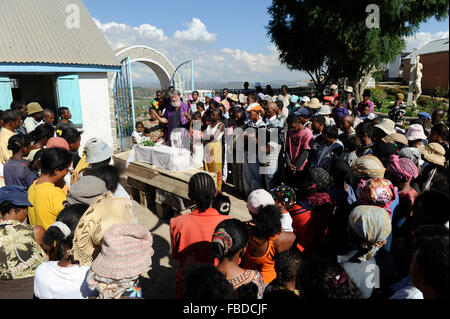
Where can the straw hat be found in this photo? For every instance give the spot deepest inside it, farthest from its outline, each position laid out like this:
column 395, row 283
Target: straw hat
column 387, row 126
column 106, row 210
column 33, row 108
column 233, row 97
column 314, row 104
column 433, row 153
column 395, row 138
column 242, row 98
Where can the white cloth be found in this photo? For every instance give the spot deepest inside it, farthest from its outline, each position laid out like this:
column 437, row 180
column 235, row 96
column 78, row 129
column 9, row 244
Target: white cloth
column 165, row 157
column 121, row 192
column 286, row 222
column 54, row 282
column 138, row 136
column 30, row 124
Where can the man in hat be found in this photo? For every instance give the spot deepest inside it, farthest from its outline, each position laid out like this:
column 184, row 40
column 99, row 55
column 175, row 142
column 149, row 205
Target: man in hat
column 397, row 111
column 334, row 92
column 34, row 116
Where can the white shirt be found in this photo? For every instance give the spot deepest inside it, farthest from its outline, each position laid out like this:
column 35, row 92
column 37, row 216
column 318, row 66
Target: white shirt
column 54, row 282
column 30, row 124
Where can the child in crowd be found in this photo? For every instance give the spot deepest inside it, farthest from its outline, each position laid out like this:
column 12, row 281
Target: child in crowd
column 16, row 170
column 63, row 278
column 138, row 133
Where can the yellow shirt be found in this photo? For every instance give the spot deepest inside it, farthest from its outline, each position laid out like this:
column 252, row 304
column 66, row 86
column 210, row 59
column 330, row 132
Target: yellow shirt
column 5, row 153
column 47, row 201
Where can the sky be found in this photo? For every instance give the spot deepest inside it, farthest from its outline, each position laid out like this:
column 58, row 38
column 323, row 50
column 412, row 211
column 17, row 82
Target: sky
column 227, row 40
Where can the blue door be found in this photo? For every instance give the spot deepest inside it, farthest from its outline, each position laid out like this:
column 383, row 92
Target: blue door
column 69, row 96
column 5, row 93
column 123, row 95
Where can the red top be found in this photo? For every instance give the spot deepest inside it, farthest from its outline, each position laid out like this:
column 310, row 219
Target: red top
column 190, row 240
column 191, row 235
column 300, row 217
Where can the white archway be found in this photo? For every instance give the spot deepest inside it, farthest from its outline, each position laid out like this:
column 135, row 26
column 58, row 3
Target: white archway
column 154, row 59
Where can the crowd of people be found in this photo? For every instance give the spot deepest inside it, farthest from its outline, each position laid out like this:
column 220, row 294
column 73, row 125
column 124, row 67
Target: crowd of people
column 344, row 203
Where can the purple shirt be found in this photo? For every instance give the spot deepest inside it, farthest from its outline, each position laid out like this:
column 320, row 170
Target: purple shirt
column 17, row 173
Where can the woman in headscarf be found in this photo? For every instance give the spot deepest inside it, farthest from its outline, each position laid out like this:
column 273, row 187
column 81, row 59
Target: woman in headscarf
column 364, row 258
column 401, row 171
column 367, row 167
column 316, row 199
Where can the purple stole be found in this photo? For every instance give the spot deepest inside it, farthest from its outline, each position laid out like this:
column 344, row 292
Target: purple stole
column 184, row 108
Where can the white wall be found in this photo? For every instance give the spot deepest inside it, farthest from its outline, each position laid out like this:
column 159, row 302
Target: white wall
column 95, row 107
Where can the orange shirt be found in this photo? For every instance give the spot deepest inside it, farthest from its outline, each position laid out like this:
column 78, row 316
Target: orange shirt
column 190, row 239
column 191, row 235
column 264, row 264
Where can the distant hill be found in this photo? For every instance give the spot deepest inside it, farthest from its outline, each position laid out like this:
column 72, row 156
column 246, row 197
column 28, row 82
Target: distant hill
column 205, row 85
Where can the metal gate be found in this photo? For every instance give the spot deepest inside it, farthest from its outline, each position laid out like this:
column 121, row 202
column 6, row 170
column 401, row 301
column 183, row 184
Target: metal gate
column 183, row 79
column 123, row 95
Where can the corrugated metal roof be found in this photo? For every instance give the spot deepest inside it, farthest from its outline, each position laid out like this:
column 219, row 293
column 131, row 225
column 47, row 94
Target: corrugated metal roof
column 440, row 45
column 35, row 31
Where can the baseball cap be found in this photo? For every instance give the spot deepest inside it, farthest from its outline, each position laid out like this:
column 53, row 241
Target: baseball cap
column 18, row 195
column 333, row 87
column 424, row 115
column 97, row 151
column 257, row 198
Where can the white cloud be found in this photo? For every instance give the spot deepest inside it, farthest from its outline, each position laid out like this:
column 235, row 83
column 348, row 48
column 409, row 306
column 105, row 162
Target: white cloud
column 421, row 38
column 221, row 65
column 196, row 32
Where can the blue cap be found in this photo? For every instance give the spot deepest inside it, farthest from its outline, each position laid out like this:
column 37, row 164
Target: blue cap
column 18, row 195
column 302, row 111
column 424, row 115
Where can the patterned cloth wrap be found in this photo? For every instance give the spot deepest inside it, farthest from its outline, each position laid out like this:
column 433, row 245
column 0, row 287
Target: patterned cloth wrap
column 367, row 167
column 376, row 191
column 224, row 239
column 402, row 168
column 373, row 225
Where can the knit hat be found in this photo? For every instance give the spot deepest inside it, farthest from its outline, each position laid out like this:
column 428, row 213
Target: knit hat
column 33, row 108
column 257, row 198
column 433, row 153
column 126, row 252
column 415, row 132
column 58, row 142
column 97, row 151
column 387, row 126
column 284, row 194
column 85, row 190
column 106, row 210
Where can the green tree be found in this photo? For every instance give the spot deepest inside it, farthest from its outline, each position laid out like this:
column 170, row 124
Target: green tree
column 332, row 40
